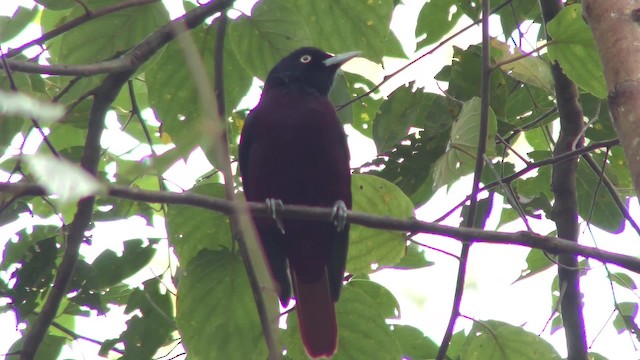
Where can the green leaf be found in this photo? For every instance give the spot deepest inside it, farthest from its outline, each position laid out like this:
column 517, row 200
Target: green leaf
column 366, row 107
column 9, row 128
column 459, row 159
column 117, row 209
column 414, row 258
column 340, row 26
column 217, row 316
column 341, row 94
column 556, row 323
column 470, row 8
column 403, row 109
column 113, row 269
column 371, row 247
column 13, row 252
column 625, row 317
column 192, row 229
column 482, row 212
column 518, row 11
column 529, row 69
column 49, row 349
column 385, row 302
column 464, row 79
column 12, row 209
column 526, row 105
column 623, row 280
column 537, row 262
column 117, row 294
column 33, row 278
column 104, row 37
column 10, row 26
column 617, row 169
column 574, row 48
column 147, row 333
column 456, row 346
column 273, row 30
column 437, row 18
column 605, row 213
column 393, row 47
column 84, row 284
column 501, row 341
column 57, row 4
column 362, row 330
column 410, row 164
column 173, row 94
column 414, row 344
column 597, row 110
column 536, row 186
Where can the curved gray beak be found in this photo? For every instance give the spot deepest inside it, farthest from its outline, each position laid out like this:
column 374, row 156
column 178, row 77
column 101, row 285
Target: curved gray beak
column 341, row 58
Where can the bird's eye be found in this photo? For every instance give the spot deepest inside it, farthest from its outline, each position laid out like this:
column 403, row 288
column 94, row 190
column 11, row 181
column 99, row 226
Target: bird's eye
column 305, row 59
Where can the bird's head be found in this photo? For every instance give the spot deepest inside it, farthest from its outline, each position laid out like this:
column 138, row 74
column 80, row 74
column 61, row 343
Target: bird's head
column 307, row 69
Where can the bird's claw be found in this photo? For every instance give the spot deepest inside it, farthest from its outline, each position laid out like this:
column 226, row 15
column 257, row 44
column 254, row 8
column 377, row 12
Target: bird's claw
column 273, row 206
column 339, row 215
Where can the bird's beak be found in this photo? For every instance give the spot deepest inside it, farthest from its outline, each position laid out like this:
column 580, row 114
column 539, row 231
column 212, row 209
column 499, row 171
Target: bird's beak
column 341, row 58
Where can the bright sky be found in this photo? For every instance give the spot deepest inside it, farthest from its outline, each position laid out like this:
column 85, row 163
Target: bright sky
column 424, row 295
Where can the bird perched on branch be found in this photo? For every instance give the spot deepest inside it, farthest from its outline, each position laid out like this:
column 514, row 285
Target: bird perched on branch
column 293, row 150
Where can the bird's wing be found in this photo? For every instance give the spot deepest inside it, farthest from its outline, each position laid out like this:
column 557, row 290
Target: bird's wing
column 340, row 244
column 245, row 146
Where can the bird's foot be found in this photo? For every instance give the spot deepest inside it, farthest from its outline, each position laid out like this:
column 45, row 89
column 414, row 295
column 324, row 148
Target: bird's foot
column 339, row 215
column 273, row 206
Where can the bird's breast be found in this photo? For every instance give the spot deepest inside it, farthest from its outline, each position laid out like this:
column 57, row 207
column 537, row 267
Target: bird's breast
column 299, row 154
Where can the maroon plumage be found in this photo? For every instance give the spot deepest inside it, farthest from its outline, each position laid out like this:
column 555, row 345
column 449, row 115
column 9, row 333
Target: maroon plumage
column 293, row 148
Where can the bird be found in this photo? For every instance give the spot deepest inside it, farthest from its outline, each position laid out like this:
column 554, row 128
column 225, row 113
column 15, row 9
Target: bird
column 293, row 150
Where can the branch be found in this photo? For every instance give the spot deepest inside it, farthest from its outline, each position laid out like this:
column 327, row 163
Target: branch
column 565, row 208
column 103, row 67
column 104, row 96
column 550, row 244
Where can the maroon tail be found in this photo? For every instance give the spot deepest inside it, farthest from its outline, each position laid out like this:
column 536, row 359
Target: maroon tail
column 316, row 316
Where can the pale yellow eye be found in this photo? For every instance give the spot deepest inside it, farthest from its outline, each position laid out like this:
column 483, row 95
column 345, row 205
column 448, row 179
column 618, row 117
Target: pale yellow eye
column 305, row 59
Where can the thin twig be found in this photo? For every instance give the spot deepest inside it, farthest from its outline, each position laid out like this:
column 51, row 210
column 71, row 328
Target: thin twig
column 533, row 166
column 89, row 15
column 519, row 57
column 441, row 44
column 469, row 221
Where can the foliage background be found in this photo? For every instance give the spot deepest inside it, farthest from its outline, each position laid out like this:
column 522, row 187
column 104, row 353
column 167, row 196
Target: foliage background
column 424, row 141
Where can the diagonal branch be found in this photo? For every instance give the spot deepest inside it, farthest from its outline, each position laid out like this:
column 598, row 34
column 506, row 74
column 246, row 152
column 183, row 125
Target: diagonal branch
column 87, row 16
column 104, row 95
